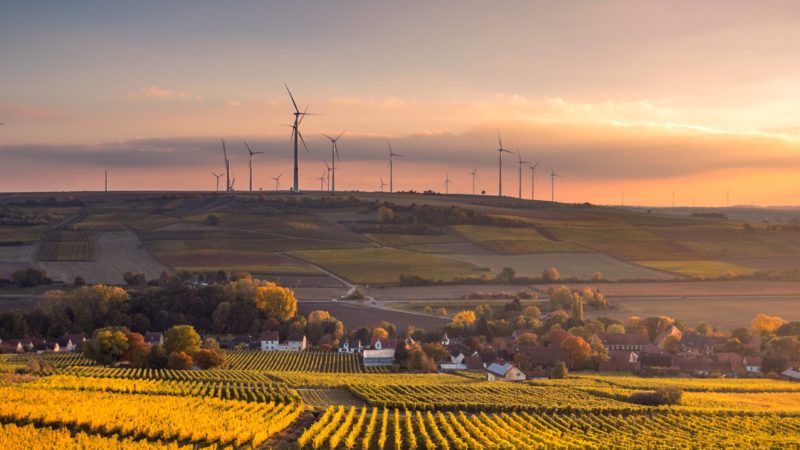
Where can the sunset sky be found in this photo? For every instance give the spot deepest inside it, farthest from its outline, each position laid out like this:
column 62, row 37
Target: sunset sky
column 698, row 98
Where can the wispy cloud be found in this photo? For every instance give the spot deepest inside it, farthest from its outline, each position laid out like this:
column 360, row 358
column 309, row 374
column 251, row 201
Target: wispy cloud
column 155, row 92
column 27, row 111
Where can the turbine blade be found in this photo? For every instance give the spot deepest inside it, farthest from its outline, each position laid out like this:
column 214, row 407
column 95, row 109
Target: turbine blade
column 248, row 149
column 300, row 135
column 292, row 97
column 340, row 134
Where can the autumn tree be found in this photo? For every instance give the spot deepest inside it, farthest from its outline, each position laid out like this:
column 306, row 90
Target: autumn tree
column 207, row 358
column 579, row 350
column 550, row 275
column 464, row 319
column 182, row 338
column 107, row 345
column 766, row 324
column 179, row 361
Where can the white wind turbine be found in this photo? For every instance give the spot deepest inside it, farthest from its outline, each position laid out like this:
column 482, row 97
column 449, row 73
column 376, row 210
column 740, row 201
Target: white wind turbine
column 553, row 177
column 382, row 184
column 474, row 174
column 329, row 170
column 533, row 179
column 251, row 153
column 297, row 137
column 392, row 155
column 321, row 182
column 217, row 177
column 521, row 163
column 334, row 158
column 447, row 184
column 277, row 182
column 500, row 151
column 228, row 185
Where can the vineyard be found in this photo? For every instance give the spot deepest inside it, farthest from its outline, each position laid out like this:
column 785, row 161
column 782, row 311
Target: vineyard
column 374, row 428
column 308, row 361
column 73, row 246
column 13, row 437
column 150, row 416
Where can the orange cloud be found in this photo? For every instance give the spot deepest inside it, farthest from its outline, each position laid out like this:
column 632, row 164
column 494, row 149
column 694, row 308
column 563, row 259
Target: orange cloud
column 156, row 92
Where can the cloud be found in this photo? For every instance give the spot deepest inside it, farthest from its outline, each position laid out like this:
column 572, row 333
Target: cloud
column 27, row 111
column 155, row 92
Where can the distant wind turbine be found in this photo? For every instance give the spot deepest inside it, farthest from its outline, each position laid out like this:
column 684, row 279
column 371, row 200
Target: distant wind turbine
column 392, row 155
column 334, row 157
column 329, row 169
column 297, row 137
column 227, row 167
column 533, row 179
column 500, row 151
column 217, row 176
column 251, row 153
column 474, row 174
column 553, row 177
column 447, row 184
column 277, row 182
column 521, row 163
column 382, row 184
column 322, row 182
column 233, row 182
column 106, row 181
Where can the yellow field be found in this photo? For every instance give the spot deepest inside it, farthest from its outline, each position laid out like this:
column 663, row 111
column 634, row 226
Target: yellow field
column 698, row 268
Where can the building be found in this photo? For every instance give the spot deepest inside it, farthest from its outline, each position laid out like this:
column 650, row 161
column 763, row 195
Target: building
column 154, row 338
column 43, row 347
column 634, row 342
column 350, row 346
column 380, row 353
column 547, row 356
column 791, row 374
column 270, row 340
column 620, row 361
column 296, row 343
column 752, row 365
column 504, row 371
column 453, row 361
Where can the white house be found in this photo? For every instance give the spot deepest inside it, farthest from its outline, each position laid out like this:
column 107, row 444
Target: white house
column 295, row 343
column 504, row 372
column 454, row 362
column 380, row 353
column 752, row 364
column 350, row 346
column 792, row 374
column 270, row 340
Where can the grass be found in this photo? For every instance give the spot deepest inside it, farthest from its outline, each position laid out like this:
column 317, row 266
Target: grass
column 455, row 305
column 698, row 268
column 253, row 262
column 20, row 234
column 512, row 241
column 384, row 265
column 406, row 240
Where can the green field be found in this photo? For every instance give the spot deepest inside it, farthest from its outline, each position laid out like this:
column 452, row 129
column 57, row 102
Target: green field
column 698, row 268
column 506, row 240
column 384, row 265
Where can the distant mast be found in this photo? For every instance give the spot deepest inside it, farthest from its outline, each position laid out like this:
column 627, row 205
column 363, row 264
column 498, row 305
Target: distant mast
column 106, row 181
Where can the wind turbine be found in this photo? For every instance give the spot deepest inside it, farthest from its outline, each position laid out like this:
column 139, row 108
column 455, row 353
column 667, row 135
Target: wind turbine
column 106, row 181
column 322, row 181
column 217, row 176
column 332, row 168
column 329, row 170
column 500, row 151
column 227, row 167
column 474, row 174
column 533, row 179
column 521, row 163
column 233, row 182
column 297, row 137
column 392, row 155
column 382, row 184
column 251, row 153
column 277, row 182
column 553, row 177
column 447, row 184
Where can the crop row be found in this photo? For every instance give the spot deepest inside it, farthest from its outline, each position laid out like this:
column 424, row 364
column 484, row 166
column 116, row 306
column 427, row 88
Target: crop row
column 227, row 390
column 219, row 375
column 299, row 362
column 403, row 429
column 56, row 359
column 67, row 251
column 14, row 437
column 157, row 417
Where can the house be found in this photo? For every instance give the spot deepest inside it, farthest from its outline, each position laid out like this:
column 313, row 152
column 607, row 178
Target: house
column 72, row 342
column 13, row 346
column 655, row 360
column 270, row 340
column 445, row 341
column 380, row 353
column 791, row 374
column 504, row 371
column 295, row 343
column 154, row 338
column 632, row 342
column 700, row 344
column 350, row 346
column 752, row 365
column 700, row 366
column 474, row 362
column 45, row 346
column 735, row 361
column 620, row 361
column 453, row 361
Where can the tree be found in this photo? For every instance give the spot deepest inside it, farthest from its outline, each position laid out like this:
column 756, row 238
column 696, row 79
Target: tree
column 428, row 310
column 615, row 328
column 527, row 339
column 551, row 275
column 506, row 275
column 385, row 214
column 464, row 319
column 560, row 371
column 380, row 333
column 96, row 306
column 441, row 312
column 579, row 350
column 134, row 279
column 419, row 361
column 79, row 281
column 137, row 350
column 560, row 297
column 789, row 329
column 182, row 338
column 157, row 358
column 576, row 308
column 107, row 345
column 766, row 324
column 532, row 312
column 435, row 350
column 179, row 361
column 671, row 344
column 30, row 277
column 212, row 220
column 207, row 358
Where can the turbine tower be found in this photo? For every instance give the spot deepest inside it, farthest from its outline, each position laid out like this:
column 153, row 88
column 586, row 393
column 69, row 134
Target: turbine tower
column 217, row 176
column 533, row 179
column 277, row 182
column 382, row 184
column 392, row 155
column 334, row 157
column 228, row 185
column 297, row 137
column 474, row 174
column 500, row 151
column 329, row 169
column 251, row 153
column 447, row 184
column 553, row 177
column 106, row 180
column 521, row 163
column 322, row 182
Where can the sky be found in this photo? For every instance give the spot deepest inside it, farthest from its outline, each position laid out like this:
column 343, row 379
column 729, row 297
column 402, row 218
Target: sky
column 647, row 98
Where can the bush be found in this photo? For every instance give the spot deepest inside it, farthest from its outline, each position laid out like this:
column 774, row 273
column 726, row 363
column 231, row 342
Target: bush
column 209, row 358
column 662, row 396
column 179, row 361
column 551, row 274
column 30, row 277
column 560, row 370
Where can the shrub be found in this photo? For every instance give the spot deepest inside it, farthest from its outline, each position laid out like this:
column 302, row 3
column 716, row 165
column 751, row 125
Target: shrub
column 662, row 396
column 179, row 361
